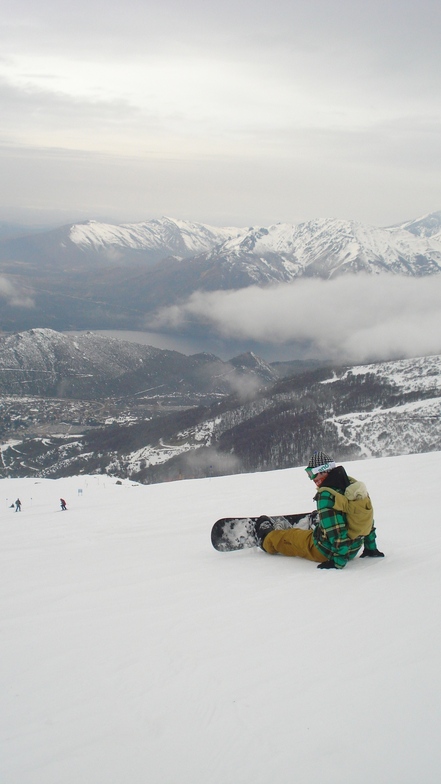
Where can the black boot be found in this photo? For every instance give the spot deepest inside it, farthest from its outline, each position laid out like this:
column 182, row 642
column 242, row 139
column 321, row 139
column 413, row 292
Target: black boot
column 263, row 526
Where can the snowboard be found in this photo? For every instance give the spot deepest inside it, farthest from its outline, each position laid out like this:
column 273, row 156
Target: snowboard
column 237, row 533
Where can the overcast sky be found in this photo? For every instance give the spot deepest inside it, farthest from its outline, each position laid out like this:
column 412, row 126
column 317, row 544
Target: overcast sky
column 232, row 113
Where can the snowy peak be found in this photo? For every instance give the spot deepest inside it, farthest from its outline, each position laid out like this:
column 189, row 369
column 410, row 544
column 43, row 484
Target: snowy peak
column 320, row 247
column 167, row 235
column 250, row 362
column 427, row 226
column 326, row 247
column 331, row 247
column 278, row 238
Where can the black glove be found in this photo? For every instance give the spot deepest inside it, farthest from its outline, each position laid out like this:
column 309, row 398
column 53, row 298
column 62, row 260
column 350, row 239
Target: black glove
column 371, row 553
column 327, row 565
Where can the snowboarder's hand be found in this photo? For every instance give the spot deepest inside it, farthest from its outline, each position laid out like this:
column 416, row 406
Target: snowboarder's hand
column 327, row 565
column 371, row 553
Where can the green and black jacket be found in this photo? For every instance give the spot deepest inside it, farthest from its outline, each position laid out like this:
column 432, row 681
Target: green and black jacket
column 346, row 518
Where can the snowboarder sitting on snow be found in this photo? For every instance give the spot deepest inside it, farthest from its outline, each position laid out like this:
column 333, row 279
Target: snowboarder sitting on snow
column 345, row 520
column 63, row 504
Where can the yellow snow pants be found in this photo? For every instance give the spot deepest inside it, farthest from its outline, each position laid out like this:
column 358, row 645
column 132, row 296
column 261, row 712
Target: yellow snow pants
column 294, row 542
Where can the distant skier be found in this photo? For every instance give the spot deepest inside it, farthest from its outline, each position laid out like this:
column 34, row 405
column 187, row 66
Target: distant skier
column 63, row 504
column 18, row 505
column 345, row 521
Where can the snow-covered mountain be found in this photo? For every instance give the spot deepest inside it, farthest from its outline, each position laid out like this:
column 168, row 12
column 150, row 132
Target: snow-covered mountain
column 409, row 420
column 319, row 247
column 46, row 362
column 283, row 251
column 167, row 236
column 426, row 226
column 102, row 276
column 133, row 652
column 324, row 248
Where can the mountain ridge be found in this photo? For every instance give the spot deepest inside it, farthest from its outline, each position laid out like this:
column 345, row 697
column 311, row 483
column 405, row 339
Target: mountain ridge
column 42, row 361
column 375, row 410
column 185, row 239
column 103, row 276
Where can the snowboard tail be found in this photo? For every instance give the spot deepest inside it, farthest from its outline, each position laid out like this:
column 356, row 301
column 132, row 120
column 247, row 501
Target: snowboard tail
column 237, row 533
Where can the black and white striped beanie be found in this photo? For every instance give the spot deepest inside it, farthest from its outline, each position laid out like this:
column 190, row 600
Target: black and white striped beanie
column 320, row 463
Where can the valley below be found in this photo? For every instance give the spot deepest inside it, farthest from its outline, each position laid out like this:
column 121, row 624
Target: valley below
column 89, row 404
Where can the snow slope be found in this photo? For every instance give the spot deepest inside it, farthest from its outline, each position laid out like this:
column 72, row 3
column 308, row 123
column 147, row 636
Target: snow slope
column 132, row 651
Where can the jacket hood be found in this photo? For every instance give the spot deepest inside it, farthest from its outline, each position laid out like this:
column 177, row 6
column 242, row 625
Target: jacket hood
column 356, row 491
column 337, row 479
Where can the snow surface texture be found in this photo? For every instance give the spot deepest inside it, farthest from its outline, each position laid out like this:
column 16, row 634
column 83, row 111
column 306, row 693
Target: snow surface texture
column 132, row 651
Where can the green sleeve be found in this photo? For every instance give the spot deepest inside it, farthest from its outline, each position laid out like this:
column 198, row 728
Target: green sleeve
column 334, row 529
column 370, row 541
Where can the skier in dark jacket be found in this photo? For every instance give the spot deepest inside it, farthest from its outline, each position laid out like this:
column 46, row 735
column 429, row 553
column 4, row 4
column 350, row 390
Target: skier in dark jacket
column 345, row 521
column 18, row 505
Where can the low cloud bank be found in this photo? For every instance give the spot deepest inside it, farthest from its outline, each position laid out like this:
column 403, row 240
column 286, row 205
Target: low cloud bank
column 357, row 318
column 12, row 295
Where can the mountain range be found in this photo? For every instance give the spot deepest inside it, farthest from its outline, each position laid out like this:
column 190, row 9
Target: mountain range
column 375, row 410
column 43, row 362
column 103, row 276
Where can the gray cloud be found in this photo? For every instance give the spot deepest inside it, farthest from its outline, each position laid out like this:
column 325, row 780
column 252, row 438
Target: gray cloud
column 49, row 113
column 352, row 318
column 12, row 294
column 381, row 26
